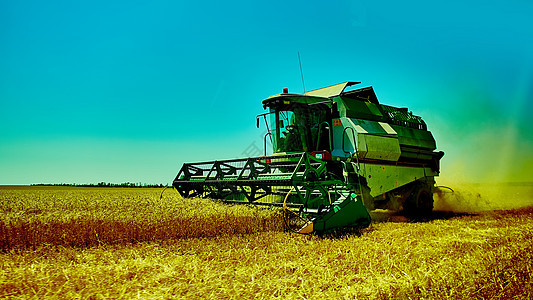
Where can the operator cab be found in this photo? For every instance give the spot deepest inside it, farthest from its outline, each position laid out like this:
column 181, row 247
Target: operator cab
column 299, row 123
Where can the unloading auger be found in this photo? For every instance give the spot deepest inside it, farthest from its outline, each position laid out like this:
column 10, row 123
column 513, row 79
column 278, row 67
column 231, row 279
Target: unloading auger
column 336, row 155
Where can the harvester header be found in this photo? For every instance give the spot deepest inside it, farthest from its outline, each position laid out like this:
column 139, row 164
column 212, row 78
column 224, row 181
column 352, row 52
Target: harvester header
column 336, row 155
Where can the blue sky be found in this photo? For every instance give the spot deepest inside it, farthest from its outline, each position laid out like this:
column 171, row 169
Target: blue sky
column 121, row 91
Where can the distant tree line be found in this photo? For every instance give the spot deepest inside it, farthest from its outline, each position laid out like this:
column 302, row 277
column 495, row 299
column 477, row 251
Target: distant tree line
column 103, row 184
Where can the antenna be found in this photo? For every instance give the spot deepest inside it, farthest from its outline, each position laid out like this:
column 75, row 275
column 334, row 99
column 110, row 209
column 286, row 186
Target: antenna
column 301, row 72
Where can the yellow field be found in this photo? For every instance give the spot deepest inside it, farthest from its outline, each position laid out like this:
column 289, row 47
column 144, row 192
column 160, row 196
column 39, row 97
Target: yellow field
column 126, row 243
column 85, row 217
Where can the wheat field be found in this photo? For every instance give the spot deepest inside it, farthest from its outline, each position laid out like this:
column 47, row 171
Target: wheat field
column 85, row 217
column 102, row 243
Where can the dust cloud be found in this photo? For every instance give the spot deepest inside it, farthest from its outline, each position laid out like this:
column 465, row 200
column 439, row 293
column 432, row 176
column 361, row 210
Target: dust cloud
column 488, row 145
column 479, row 197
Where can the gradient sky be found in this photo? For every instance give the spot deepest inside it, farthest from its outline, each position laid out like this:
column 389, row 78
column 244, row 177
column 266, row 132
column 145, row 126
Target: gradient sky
column 122, row 91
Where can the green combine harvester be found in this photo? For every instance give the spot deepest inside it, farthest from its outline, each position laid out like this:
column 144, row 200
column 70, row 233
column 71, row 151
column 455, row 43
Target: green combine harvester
column 336, row 156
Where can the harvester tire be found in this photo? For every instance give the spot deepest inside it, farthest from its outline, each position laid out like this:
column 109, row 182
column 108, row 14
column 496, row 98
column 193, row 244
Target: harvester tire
column 420, row 202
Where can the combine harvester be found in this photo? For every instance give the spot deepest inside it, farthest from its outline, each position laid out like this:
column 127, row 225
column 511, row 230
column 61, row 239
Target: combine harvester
column 336, row 155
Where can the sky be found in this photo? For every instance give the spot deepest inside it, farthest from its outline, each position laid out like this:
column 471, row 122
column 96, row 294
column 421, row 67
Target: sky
column 127, row 91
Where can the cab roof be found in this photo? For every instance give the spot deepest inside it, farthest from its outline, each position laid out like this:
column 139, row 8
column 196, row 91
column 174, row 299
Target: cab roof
column 321, row 95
